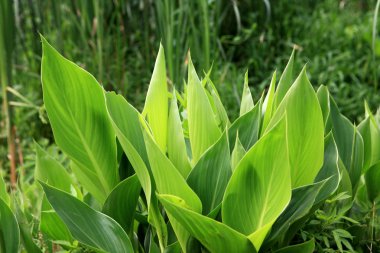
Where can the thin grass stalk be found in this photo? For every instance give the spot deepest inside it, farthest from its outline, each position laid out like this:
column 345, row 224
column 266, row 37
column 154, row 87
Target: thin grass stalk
column 6, row 49
column 374, row 34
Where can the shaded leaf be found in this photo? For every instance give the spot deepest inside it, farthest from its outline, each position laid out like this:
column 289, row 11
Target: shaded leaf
column 210, row 175
column 121, row 203
column 9, row 231
column 92, row 228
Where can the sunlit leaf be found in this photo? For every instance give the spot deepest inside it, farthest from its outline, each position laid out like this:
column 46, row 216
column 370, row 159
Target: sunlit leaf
column 203, row 128
column 215, row 236
column 260, row 187
column 305, row 137
column 156, row 104
column 246, row 99
column 75, row 105
column 177, row 152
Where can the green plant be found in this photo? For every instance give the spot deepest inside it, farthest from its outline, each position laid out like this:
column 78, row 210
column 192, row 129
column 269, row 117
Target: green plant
column 180, row 176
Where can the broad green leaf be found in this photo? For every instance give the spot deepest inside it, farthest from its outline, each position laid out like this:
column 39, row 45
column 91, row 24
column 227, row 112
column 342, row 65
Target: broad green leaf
column 156, row 104
column 121, row 203
column 285, row 82
column 210, row 175
column 306, row 247
column 238, row 153
column 268, row 103
column 246, row 99
column 167, row 178
column 305, row 137
column 303, row 199
column 203, row 128
column 3, row 191
column 53, row 226
column 75, row 105
column 215, row 236
column 125, row 120
column 260, row 187
column 92, row 228
column 248, row 127
column 50, row 171
column 177, row 152
column 372, row 179
column 306, row 197
column 9, row 231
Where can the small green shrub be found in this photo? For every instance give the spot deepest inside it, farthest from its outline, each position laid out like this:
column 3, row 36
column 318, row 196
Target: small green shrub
column 181, row 177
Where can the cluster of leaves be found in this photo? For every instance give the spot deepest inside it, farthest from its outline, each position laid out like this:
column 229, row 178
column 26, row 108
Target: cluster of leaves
column 181, row 177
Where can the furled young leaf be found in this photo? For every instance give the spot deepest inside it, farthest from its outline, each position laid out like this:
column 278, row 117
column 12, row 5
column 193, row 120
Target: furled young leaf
column 3, row 191
column 306, row 247
column 349, row 143
column 268, row 103
column 248, row 127
column 9, row 231
column 156, row 104
column 305, row 137
column 203, row 128
column 220, row 110
column 126, row 122
column 329, row 171
column 324, row 100
column 92, row 228
column 260, row 187
column 369, row 130
column 372, row 179
column 210, row 175
column 215, row 236
column 238, row 153
column 177, row 152
column 285, row 82
column 121, row 203
column 75, row 105
column 246, row 99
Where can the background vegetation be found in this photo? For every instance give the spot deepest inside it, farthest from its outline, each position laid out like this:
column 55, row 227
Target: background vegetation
column 117, row 41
